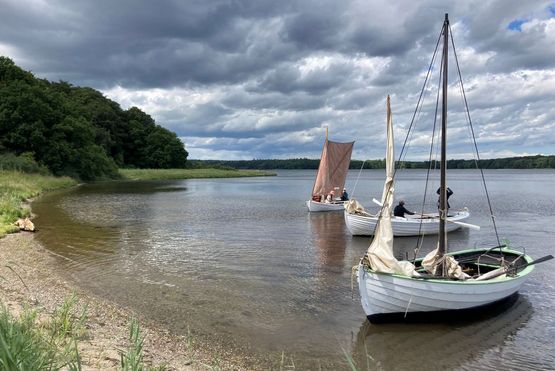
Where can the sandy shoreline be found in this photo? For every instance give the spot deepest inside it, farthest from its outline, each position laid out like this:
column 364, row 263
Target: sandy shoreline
column 28, row 278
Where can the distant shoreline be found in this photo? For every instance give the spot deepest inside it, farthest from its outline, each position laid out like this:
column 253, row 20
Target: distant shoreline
column 523, row 162
column 171, row 174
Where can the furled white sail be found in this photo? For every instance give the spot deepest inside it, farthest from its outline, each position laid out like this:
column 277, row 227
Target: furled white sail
column 452, row 269
column 380, row 253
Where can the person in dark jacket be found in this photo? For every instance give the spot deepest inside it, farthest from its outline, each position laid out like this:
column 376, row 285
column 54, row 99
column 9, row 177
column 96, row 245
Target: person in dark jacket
column 400, row 210
column 449, row 193
column 344, row 195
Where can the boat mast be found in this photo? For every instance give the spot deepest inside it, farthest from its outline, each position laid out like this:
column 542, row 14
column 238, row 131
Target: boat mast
column 442, row 193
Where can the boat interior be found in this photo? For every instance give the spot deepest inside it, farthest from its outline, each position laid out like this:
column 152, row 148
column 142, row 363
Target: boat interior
column 477, row 263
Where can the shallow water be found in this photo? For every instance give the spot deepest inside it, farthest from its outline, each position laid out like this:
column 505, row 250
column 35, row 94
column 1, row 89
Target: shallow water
column 243, row 265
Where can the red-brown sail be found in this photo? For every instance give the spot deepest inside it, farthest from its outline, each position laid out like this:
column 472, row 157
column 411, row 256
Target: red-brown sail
column 334, row 165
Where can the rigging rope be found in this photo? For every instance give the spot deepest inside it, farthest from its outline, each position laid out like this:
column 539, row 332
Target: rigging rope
column 476, row 161
column 358, row 177
column 420, row 97
column 416, row 110
column 420, row 236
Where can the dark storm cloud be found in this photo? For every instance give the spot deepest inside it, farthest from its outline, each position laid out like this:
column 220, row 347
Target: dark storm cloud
column 169, row 43
column 244, row 79
column 143, row 43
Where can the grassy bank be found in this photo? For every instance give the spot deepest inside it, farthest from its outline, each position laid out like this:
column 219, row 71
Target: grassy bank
column 16, row 188
column 168, row 174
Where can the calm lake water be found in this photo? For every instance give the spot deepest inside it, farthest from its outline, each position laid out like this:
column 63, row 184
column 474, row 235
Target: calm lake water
column 244, row 266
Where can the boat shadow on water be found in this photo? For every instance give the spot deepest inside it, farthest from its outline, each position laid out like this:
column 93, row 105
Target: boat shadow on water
column 463, row 339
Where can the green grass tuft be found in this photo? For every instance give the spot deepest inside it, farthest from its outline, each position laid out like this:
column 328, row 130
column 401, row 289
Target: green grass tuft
column 26, row 344
column 132, row 360
column 66, row 321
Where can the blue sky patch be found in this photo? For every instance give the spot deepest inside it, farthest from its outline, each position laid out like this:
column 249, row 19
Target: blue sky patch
column 516, row 24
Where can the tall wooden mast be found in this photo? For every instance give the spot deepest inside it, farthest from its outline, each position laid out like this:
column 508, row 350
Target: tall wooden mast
column 443, row 166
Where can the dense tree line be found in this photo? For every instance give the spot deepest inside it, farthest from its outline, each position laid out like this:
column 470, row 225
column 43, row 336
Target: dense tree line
column 526, row 162
column 76, row 131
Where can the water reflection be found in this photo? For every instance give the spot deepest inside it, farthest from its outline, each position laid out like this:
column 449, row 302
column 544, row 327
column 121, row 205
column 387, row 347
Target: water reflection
column 448, row 346
column 330, row 239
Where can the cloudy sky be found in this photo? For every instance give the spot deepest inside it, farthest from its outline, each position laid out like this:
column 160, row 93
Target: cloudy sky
column 244, row 79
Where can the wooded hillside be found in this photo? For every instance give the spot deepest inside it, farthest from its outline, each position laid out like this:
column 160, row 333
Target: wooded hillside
column 76, row 131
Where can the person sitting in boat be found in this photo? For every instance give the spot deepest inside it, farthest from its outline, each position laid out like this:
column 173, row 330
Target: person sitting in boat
column 400, row 210
column 344, row 195
column 449, row 193
column 330, row 197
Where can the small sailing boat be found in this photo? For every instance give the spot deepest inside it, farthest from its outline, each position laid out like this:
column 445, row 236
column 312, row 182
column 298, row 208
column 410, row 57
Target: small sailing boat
column 330, row 179
column 361, row 223
column 440, row 283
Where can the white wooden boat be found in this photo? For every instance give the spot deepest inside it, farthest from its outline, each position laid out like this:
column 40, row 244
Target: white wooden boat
column 411, row 225
column 331, row 175
column 387, row 296
column 442, row 282
column 323, row 206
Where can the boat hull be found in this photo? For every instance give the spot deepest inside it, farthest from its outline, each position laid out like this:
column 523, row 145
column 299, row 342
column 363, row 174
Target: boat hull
column 448, row 316
column 314, row 206
column 361, row 225
column 395, row 296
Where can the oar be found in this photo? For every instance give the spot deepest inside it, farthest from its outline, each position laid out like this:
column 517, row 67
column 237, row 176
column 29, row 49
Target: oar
column 462, row 224
column 540, row 260
column 466, row 225
column 500, row 271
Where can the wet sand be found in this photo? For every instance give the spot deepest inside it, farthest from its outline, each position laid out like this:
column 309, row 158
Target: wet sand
column 28, row 278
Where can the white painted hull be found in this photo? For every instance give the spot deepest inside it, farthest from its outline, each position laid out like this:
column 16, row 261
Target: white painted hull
column 385, row 294
column 322, row 206
column 361, row 225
